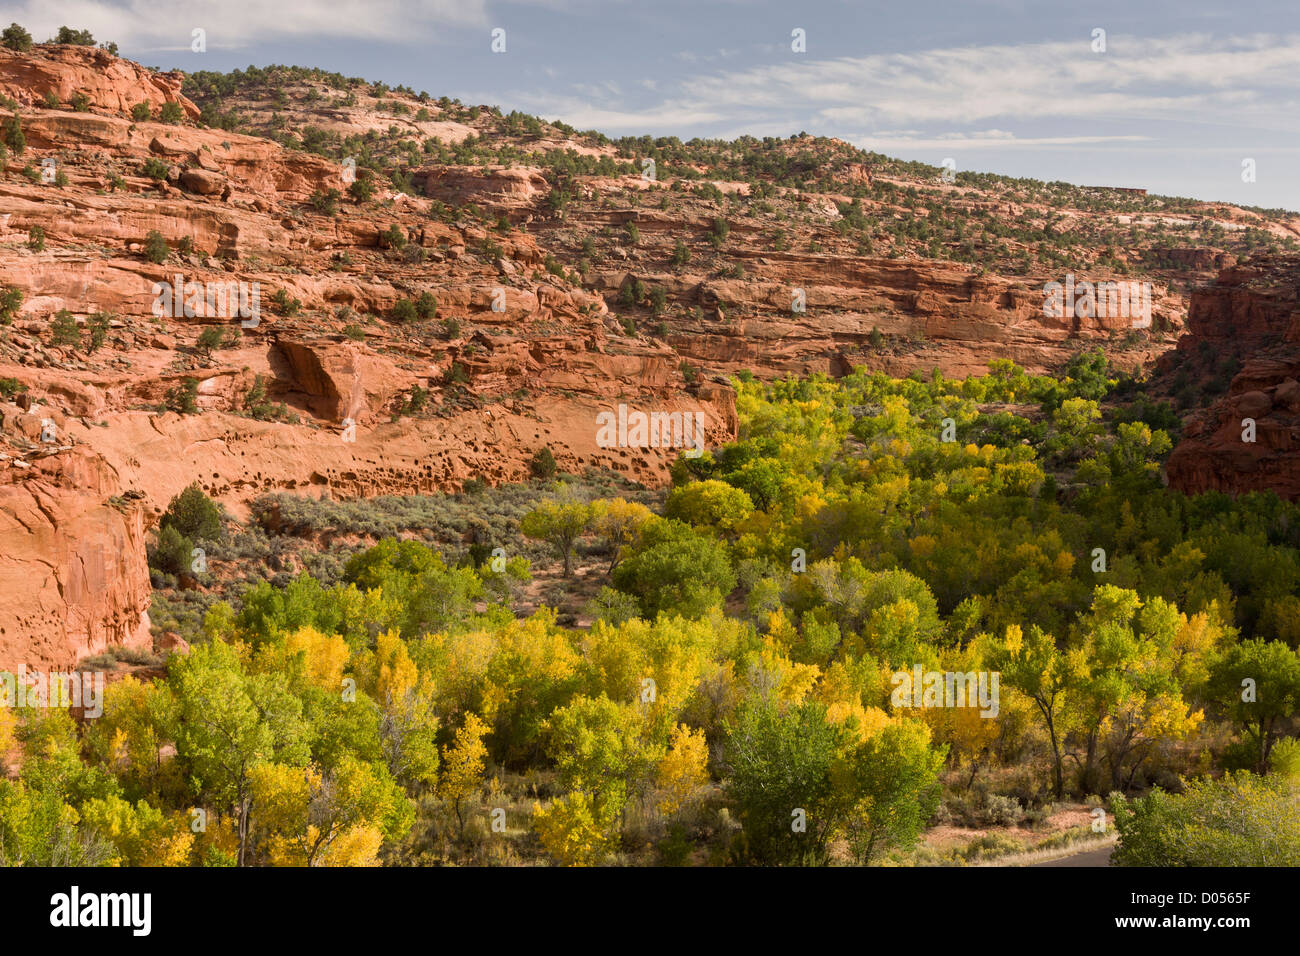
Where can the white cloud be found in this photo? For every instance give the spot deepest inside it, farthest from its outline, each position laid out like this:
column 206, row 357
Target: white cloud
column 582, row 113
column 1194, row 77
column 1232, row 85
column 157, row 25
column 988, row 139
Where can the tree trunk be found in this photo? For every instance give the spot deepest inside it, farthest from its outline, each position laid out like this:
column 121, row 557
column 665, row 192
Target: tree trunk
column 1056, row 753
column 245, row 806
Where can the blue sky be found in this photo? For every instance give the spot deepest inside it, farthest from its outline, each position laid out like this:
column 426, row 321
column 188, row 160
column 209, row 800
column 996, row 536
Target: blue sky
column 1183, row 93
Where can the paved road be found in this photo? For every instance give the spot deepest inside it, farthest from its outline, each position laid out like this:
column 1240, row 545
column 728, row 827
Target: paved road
column 1090, row 858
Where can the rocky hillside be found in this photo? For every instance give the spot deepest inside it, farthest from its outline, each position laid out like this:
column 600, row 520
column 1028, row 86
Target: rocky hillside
column 432, row 293
column 1249, row 318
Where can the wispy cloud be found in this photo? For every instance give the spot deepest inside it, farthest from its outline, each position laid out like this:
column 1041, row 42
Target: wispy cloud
column 949, row 96
column 989, row 139
column 152, row 25
column 1193, row 76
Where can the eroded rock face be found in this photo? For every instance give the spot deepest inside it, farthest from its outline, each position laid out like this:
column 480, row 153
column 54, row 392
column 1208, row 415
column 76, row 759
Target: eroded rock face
column 492, row 185
column 72, row 566
column 341, row 381
column 960, row 321
column 1249, row 313
column 106, row 81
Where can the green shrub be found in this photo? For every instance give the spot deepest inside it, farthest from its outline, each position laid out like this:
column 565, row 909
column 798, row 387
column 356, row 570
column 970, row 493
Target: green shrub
column 142, row 112
column 14, row 137
column 210, row 339
column 362, row 188
column 286, row 304
column 173, row 552
column 16, row 38
column 98, row 326
column 64, row 329
column 426, row 305
column 404, row 311
column 156, row 249
column 1240, row 820
column 719, row 231
column 417, row 401
column 325, row 202
column 36, row 239
column 171, row 113
column 183, row 397
column 74, row 37
column 11, row 300
column 990, row 846
column 542, row 464
column 193, row 514
column 257, row 405
column 154, row 168
column 632, row 292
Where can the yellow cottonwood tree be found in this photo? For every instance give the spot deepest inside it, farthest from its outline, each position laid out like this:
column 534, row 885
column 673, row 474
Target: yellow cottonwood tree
column 683, row 770
column 303, row 813
column 462, row 765
column 405, row 698
column 619, row 522
column 140, row 835
column 576, row 829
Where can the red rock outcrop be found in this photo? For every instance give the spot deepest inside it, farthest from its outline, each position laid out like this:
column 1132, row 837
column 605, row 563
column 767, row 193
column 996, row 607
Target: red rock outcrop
column 72, row 565
column 489, row 186
column 107, row 82
column 1249, row 313
column 954, row 319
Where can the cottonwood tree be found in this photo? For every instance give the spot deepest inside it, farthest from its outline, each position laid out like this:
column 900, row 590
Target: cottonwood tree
column 561, row 523
column 1257, row 684
column 619, row 524
column 226, row 724
column 892, row 782
column 779, row 777
column 462, row 765
column 673, row 568
column 1047, row 675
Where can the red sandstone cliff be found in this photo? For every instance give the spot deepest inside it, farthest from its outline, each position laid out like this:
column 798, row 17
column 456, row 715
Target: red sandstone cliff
column 1249, row 313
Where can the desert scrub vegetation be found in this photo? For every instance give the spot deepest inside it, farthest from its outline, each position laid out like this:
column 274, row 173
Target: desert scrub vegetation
column 288, row 534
